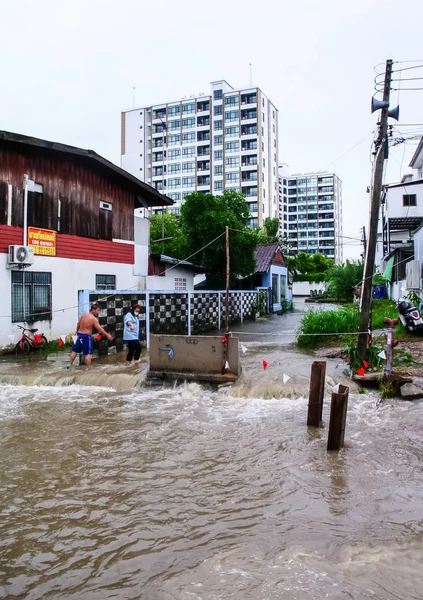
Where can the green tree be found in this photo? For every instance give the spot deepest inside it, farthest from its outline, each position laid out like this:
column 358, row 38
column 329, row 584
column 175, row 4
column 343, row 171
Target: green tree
column 343, row 278
column 175, row 244
column 321, row 263
column 203, row 218
column 269, row 234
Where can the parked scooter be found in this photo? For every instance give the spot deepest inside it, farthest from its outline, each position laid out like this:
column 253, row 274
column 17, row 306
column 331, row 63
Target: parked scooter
column 409, row 315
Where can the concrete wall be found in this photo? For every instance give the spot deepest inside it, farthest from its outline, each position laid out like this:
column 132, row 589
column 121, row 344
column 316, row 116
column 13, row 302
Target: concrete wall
column 197, row 355
column 303, row 288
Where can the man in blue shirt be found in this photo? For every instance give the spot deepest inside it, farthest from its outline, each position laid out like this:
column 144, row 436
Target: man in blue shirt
column 131, row 334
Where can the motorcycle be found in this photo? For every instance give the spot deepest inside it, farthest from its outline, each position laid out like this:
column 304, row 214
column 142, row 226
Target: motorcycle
column 409, row 315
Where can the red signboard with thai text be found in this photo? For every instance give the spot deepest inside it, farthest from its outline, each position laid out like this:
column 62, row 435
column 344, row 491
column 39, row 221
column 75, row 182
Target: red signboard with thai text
column 42, row 240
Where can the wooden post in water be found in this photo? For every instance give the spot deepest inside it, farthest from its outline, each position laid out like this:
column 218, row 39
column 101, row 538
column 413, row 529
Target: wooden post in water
column 317, row 390
column 338, row 418
column 225, row 345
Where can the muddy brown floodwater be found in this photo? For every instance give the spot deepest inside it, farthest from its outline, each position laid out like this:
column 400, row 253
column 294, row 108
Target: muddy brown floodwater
column 197, row 494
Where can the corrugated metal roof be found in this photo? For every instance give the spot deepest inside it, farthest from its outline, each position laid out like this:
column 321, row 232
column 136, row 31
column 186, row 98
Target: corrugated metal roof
column 146, row 194
column 264, row 254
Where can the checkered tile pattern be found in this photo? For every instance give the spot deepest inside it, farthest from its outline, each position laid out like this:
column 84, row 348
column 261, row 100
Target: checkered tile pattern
column 204, row 312
column 169, row 313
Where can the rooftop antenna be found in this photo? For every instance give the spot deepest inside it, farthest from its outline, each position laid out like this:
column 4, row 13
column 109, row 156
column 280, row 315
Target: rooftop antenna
column 251, row 75
column 133, row 97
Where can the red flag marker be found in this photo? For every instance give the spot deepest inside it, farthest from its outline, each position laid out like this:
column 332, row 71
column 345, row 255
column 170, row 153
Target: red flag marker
column 365, row 364
column 360, row 372
column 409, row 373
column 224, row 339
column 98, row 336
column 265, row 364
column 60, row 342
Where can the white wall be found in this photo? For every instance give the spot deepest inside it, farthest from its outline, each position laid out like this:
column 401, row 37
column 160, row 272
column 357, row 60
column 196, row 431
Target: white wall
column 135, row 143
column 167, row 281
column 68, row 276
column 394, row 205
column 303, row 288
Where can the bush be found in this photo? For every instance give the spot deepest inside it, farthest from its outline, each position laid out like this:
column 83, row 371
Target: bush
column 343, row 278
column 311, row 277
column 316, row 326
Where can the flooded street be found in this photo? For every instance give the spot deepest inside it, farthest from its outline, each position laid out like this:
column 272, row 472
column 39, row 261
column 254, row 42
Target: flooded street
column 196, row 494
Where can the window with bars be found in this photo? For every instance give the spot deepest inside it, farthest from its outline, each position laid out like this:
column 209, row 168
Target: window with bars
column 105, row 282
column 31, row 296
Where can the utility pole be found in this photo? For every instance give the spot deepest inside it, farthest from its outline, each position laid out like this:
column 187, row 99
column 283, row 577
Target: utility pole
column 225, row 344
column 381, row 150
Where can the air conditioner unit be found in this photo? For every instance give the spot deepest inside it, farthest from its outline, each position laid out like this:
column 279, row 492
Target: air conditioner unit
column 21, row 255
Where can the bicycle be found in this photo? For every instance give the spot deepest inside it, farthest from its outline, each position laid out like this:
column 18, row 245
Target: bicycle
column 30, row 342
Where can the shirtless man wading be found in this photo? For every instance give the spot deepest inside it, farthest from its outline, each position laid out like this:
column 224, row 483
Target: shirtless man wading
column 84, row 330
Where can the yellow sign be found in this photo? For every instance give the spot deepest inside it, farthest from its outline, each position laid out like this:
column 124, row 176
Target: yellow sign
column 42, row 240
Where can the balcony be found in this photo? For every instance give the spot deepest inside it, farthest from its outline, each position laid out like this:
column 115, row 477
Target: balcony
column 248, row 130
column 203, row 105
column 203, row 136
column 203, row 180
column 203, row 151
column 203, row 165
column 249, row 161
column 249, row 176
column 250, row 191
column 203, row 121
column 248, row 114
column 248, row 98
column 248, row 145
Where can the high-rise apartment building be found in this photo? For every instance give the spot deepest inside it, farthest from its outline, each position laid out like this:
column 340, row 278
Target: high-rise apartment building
column 228, row 140
column 310, row 207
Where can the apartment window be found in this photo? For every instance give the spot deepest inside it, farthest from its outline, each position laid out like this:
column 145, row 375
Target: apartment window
column 158, row 185
column 252, row 222
column 231, row 100
column 173, row 140
column 173, row 111
column 188, row 138
column 274, row 129
column 188, row 181
column 185, row 195
column 188, row 167
column 33, row 296
column 203, row 151
column 262, row 101
column 157, row 142
column 175, row 196
column 218, row 140
column 218, row 155
column 232, row 146
column 249, row 145
column 253, row 207
column 262, row 131
column 188, row 108
column 157, row 156
column 188, row 123
column 218, row 186
column 264, row 193
column 218, row 170
column 174, row 183
column 409, row 200
column 232, row 115
column 262, row 146
column 175, row 168
column 174, row 125
column 232, row 161
column 262, row 177
column 218, row 110
column 274, row 114
column 180, row 284
column 274, row 158
column 232, row 177
column 157, row 171
column 218, row 124
column 232, row 131
column 217, row 94
column 188, row 152
column 105, row 282
column 173, row 154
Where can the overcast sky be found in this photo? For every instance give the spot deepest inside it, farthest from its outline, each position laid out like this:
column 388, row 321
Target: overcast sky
column 68, row 68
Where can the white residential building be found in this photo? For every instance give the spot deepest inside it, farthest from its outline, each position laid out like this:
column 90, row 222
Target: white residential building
column 401, row 210
column 310, row 208
column 227, row 140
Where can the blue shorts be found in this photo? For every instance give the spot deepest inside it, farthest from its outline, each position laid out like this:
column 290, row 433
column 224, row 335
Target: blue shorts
column 84, row 344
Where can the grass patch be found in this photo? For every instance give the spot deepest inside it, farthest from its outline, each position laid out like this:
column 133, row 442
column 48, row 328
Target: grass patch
column 316, row 326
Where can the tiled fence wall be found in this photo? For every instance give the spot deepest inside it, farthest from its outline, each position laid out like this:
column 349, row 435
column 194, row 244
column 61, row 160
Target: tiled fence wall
column 179, row 313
